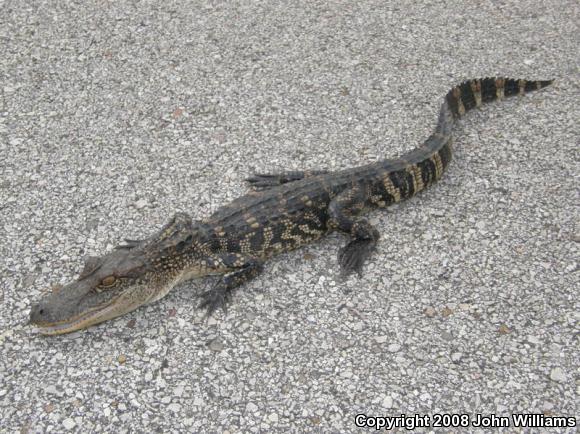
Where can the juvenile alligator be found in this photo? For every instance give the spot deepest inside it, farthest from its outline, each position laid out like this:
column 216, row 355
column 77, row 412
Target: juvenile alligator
column 285, row 211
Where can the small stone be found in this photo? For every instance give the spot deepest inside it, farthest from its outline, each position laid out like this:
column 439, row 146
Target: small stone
column 177, row 112
column 178, row 391
column 534, row 340
column 447, row 336
column 140, row 204
column 430, row 312
column 122, row 358
column 52, row 390
column 315, row 420
column 503, row 330
column 446, row 312
column 29, row 280
column 251, row 407
column 273, row 417
column 175, row 408
column 456, row 357
column 557, row 374
column 346, row 374
column 216, row 345
column 358, row 326
column 68, row 423
column 393, row 348
column 547, row 406
column 381, row 339
column 387, row 402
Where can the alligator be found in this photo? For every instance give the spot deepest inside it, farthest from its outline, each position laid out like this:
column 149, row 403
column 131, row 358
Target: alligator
column 280, row 213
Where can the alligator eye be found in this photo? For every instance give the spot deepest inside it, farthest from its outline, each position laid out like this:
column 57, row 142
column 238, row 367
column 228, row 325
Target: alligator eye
column 108, row 281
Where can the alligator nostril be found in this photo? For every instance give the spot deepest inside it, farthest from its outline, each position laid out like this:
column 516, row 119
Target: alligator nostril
column 37, row 312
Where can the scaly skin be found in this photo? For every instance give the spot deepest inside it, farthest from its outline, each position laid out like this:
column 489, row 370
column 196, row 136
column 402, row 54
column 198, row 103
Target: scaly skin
column 284, row 212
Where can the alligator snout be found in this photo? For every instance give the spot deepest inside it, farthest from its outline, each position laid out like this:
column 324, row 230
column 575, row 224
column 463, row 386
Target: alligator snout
column 38, row 314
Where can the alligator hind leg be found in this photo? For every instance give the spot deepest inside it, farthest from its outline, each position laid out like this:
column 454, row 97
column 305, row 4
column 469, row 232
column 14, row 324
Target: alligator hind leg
column 240, row 269
column 343, row 211
column 268, row 180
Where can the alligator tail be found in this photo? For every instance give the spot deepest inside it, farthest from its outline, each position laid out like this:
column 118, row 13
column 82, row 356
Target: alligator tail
column 429, row 161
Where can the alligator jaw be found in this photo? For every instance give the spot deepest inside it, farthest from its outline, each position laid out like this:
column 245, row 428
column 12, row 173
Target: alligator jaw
column 59, row 328
column 79, row 321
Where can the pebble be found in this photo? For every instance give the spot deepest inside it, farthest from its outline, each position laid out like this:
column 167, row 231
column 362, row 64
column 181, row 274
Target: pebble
column 557, row 374
column 141, row 203
column 175, row 408
column 387, row 402
column 393, row 348
column 68, row 423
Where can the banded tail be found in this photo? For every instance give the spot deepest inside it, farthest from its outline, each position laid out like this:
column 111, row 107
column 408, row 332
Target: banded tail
column 427, row 163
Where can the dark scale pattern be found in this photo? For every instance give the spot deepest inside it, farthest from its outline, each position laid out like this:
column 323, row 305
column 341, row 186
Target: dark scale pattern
column 403, row 181
column 428, row 171
column 467, row 95
column 511, row 87
column 488, row 90
column 380, row 197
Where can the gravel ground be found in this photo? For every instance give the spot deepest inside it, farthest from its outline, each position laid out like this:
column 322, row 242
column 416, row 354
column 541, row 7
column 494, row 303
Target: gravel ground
column 115, row 115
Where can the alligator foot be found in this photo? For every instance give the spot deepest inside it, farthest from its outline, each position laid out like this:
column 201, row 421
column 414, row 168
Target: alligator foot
column 352, row 256
column 215, row 298
column 243, row 268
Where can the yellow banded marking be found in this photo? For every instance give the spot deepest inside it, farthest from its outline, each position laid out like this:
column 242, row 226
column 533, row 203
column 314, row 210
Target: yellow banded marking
column 476, row 89
column 522, row 86
column 268, row 235
column 436, row 159
column 308, row 230
column 224, row 243
column 457, row 96
column 417, row 177
column 391, row 189
column 499, row 88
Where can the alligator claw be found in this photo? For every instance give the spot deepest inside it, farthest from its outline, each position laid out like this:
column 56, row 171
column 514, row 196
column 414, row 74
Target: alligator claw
column 213, row 299
column 352, row 256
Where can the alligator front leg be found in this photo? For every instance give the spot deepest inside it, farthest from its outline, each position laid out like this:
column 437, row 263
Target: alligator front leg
column 240, row 269
column 269, row 180
column 343, row 211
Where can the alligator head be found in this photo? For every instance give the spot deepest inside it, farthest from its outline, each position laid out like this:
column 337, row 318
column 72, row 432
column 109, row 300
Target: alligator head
column 134, row 274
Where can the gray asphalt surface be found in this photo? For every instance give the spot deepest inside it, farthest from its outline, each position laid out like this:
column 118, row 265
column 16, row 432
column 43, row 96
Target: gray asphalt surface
column 115, row 115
